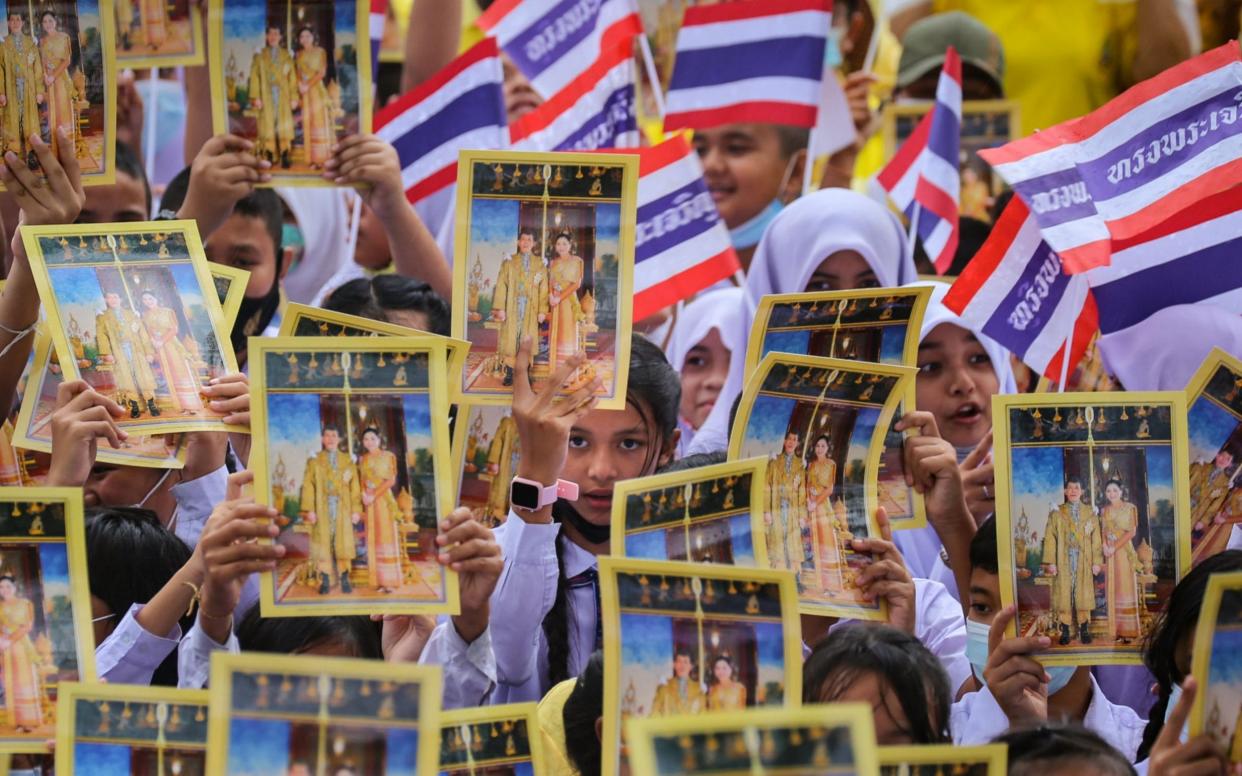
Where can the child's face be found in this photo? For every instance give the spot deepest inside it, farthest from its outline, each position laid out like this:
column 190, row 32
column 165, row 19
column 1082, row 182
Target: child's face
column 243, row 242
column 984, row 596
column 122, row 202
column 702, row 377
column 744, row 168
column 842, row 271
column 891, row 725
column 604, row 447
column 956, row 382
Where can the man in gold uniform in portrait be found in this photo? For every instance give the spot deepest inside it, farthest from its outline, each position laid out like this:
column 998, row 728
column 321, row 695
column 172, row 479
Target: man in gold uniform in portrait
column 520, row 302
column 332, row 506
column 22, row 82
column 1073, row 557
column 126, row 350
column 273, row 93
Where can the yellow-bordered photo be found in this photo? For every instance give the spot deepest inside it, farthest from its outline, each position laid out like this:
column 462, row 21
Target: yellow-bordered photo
column 293, row 78
column 350, row 448
column 943, row 759
column 683, row 638
column 491, row 739
column 289, row 714
column 1217, row 666
column 544, row 249
column 300, row 320
column 1214, row 426
column 710, row 514
column 821, row 423
column 984, row 124
column 120, row 728
column 837, row 738
column 64, row 51
column 486, row 449
column 159, row 33
column 1092, row 518
column 230, row 283
column 132, row 309
column 879, row 325
column 45, row 607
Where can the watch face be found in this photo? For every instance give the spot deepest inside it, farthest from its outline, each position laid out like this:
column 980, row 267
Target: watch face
column 524, row 495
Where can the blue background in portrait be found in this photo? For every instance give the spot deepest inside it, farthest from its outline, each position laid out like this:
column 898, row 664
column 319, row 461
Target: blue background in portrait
column 293, row 429
column 91, row 759
column 892, row 343
column 54, row 560
column 651, row 545
column 402, row 752
column 770, row 639
column 417, row 421
column 258, row 746
column 1226, row 662
column 1210, row 426
column 246, row 18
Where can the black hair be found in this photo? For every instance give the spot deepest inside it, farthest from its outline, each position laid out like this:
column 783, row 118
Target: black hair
column 127, row 161
column 1177, row 621
column 9, row 577
column 898, row 661
column 793, row 139
column 372, row 430
column 1113, row 481
column 569, row 237
column 1073, row 478
column 582, row 708
column 52, row 14
column 522, row 230
column 694, row 461
column 1034, row 751
column 330, row 427
column 654, row 391
column 263, row 204
column 294, row 635
column 130, row 556
column 371, row 297
column 826, row 439
column 983, row 547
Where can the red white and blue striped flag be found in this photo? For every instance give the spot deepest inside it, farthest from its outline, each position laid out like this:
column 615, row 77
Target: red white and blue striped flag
column 1014, row 291
column 1158, row 148
column 749, row 60
column 922, row 178
column 681, row 245
column 551, row 41
column 379, row 12
column 461, row 107
column 596, row 110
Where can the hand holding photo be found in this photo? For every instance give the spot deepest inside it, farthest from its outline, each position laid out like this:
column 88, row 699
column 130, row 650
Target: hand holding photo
column 1215, row 427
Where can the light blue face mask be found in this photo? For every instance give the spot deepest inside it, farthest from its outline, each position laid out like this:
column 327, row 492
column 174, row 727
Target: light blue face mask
column 748, row 234
column 832, row 52
column 1175, row 697
column 977, row 654
column 1060, row 677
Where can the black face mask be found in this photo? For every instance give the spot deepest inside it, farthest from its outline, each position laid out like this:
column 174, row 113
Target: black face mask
column 253, row 317
column 564, row 512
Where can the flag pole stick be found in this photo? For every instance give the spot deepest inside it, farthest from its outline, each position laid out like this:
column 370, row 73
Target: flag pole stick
column 149, row 132
column 653, row 75
column 914, row 227
column 808, row 165
column 1069, row 340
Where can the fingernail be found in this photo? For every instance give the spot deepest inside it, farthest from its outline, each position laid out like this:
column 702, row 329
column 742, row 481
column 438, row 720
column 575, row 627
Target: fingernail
column 213, row 381
column 441, row 540
column 443, row 557
column 1044, row 641
column 280, row 550
column 265, row 165
column 214, row 404
column 456, row 567
column 446, row 524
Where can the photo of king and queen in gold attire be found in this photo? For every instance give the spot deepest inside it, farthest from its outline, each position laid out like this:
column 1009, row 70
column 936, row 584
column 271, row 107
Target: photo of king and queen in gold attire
column 55, row 74
column 1214, row 425
column 1091, row 508
column 158, row 32
column 289, row 78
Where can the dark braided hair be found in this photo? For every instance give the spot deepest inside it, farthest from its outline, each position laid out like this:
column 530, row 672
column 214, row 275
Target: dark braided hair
column 1049, row 748
column 654, row 391
column 1177, row 622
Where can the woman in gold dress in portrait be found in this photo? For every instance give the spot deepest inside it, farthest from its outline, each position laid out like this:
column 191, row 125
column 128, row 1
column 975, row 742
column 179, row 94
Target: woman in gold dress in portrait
column 175, row 360
column 311, row 64
column 564, row 279
column 821, row 476
column 23, row 688
column 725, row 694
column 1119, row 520
column 56, row 51
column 378, row 470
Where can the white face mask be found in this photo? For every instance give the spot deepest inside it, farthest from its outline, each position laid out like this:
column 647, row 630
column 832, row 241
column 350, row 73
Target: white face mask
column 172, row 519
column 1175, row 697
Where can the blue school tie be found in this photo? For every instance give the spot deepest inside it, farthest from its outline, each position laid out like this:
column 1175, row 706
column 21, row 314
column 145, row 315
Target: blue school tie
column 591, row 577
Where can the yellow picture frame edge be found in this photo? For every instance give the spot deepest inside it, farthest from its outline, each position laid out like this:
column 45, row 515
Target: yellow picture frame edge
column 440, row 450
column 70, row 692
column 237, row 278
column 500, row 713
column 197, row 55
column 1205, row 630
column 625, row 258
column 610, row 566
column 888, row 118
column 995, row 756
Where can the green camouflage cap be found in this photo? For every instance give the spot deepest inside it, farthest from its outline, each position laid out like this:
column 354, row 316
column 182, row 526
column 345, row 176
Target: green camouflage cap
column 926, row 40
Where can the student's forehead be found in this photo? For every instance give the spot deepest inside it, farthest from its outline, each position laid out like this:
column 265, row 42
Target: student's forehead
column 240, row 232
column 753, row 132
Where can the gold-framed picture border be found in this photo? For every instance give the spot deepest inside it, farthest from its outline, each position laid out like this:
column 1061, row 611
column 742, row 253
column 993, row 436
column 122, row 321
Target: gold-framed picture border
column 71, row 692
column 994, row 756
column 502, row 713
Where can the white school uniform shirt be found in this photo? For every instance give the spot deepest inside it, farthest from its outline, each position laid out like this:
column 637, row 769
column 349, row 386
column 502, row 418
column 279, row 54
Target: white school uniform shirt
column 940, row 625
column 977, row 719
column 1235, row 538
column 523, row 597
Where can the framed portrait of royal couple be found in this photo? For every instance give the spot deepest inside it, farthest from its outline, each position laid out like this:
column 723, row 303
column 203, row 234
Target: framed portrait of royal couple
column 1093, row 519
column 1215, row 428
column 129, row 729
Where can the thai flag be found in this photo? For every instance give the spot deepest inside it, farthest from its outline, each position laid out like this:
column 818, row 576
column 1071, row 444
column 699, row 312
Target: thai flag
column 1191, row 258
column 1015, row 291
column 595, row 111
column 379, row 12
column 1156, row 149
column 922, row 178
column 749, row 60
column 461, row 107
column 551, row 40
column 681, row 245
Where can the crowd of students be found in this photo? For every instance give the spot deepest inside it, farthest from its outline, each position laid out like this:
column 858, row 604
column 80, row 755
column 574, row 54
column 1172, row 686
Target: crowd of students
column 941, row 670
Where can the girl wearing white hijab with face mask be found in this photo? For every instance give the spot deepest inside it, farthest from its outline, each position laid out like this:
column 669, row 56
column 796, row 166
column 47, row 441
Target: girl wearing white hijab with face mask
column 707, row 336
column 829, row 240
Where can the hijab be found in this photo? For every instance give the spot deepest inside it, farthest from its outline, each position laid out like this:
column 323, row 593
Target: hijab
column 324, row 221
column 937, row 314
column 809, row 230
column 714, row 310
column 1163, row 351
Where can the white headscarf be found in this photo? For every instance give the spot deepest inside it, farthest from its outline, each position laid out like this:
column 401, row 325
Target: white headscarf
column 717, row 309
column 1162, row 352
column 937, row 314
column 323, row 218
column 797, row 241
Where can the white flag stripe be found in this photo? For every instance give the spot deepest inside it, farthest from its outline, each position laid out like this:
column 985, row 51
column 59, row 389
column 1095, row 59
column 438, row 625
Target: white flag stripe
column 678, row 258
column 1078, row 232
column 749, row 30
column 765, row 89
column 941, row 174
column 437, row 159
column 1159, row 187
column 949, row 94
column 1168, row 248
column 1060, row 326
column 666, row 180
column 482, row 72
column 903, row 193
column 935, row 242
column 1005, row 276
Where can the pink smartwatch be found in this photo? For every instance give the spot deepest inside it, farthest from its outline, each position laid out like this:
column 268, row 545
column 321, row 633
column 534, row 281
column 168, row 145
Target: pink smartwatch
column 531, row 496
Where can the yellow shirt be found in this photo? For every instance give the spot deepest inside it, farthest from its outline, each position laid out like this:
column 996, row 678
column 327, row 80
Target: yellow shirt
column 1063, row 58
